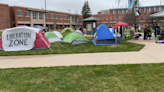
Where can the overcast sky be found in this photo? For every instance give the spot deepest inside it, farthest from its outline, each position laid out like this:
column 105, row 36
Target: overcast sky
column 75, row 5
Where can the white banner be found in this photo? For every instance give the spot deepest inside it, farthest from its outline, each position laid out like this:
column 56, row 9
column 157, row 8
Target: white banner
column 18, row 39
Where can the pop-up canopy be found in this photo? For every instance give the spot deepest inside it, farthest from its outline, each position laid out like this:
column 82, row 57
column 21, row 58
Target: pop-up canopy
column 121, row 24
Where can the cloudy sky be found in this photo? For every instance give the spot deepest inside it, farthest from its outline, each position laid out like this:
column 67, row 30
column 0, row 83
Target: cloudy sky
column 75, row 5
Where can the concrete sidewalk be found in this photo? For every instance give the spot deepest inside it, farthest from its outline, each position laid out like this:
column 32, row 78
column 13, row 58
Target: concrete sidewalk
column 151, row 53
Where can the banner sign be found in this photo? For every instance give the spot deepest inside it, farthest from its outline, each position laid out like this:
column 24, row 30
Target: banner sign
column 130, row 4
column 18, row 39
column 136, row 7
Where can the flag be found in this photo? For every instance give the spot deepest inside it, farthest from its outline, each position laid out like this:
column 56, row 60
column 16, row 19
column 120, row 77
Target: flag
column 136, row 7
column 130, row 4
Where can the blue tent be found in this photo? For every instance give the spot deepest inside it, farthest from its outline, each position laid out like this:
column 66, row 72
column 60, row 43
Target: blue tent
column 103, row 36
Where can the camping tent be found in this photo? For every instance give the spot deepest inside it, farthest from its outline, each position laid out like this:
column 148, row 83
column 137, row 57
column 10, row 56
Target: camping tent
column 44, row 30
column 52, row 37
column 58, row 34
column 74, row 38
column 103, row 36
column 66, row 31
column 23, row 38
column 78, row 31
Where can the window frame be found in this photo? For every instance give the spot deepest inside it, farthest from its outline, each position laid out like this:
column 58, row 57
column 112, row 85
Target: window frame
column 40, row 17
column 34, row 17
column 61, row 16
column 27, row 13
column 51, row 16
column 46, row 15
column 18, row 13
column 56, row 16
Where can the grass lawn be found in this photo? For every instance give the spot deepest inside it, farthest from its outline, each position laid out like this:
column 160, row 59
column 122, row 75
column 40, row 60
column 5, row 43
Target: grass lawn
column 108, row 78
column 82, row 48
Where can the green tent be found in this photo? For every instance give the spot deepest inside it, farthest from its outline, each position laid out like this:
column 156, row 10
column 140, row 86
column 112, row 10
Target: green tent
column 66, row 31
column 75, row 38
column 52, row 37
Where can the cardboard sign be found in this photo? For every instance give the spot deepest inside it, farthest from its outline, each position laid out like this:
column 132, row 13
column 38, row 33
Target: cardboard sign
column 18, row 39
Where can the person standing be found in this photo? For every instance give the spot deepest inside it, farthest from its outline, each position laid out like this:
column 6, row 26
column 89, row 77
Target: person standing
column 145, row 32
column 121, row 31
column 157, row 30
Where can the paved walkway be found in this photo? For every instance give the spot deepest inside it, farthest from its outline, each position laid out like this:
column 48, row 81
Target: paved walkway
column 151, row 53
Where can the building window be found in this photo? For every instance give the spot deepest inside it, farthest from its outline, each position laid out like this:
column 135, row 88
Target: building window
column 115, row 17
column 27, row 13
column 124, row 11
column 144, row 16
column 106, row 18
column 157, row 9
column 110, row 18
column 119, row 17
column 120, row 11
column 147, row 9
column 141, row 9
column 114, row 11
column 102, row 18
column 56, row 16
column 40, row 15
column 65, row 17
column 51, row 16
column 62, row 17
column 162, row 8
column 34, row 15
column 68, row 17
column 151, row 8
column 19, row 13
column 46, row 15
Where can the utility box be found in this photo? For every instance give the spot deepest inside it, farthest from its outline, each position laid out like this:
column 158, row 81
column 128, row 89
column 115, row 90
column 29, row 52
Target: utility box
column 90, row 24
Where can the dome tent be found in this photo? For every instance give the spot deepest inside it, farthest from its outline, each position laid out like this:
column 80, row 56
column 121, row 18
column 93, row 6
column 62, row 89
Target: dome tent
column 22, row 39
column 78, row 31
column 74, row 38
column 66, row 31
column 58, row 34
column 44, row 30
column 52, row 37
column 103, row 36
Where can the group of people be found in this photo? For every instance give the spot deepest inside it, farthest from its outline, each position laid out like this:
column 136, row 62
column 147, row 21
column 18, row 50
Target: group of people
column 147, row 31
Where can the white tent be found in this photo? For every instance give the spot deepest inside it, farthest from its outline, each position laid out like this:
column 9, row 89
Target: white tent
column 58, row 34
column 78, row 31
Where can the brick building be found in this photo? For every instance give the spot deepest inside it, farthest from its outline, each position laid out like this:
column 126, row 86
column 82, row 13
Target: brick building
column 11, row 16
column 109, row 17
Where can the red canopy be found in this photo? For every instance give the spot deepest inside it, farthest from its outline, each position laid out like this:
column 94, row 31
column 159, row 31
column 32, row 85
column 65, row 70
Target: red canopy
column 121, row 24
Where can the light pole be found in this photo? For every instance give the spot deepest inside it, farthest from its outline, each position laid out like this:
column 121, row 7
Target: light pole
column 45, row 14
column 117, row 22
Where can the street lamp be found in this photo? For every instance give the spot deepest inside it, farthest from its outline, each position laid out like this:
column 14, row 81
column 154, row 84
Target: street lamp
column 45, row 14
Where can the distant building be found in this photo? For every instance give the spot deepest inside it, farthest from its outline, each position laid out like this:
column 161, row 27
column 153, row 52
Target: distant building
column 109, row 17
column 12, row 16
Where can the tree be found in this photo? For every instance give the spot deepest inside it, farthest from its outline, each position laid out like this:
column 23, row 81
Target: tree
column 86, row 11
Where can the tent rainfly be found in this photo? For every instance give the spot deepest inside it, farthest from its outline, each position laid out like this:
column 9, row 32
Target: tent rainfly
column 103, row 36
column 74, row 38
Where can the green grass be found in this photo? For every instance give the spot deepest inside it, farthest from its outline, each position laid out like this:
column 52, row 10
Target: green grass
column 108, row 78
column 82, row 48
